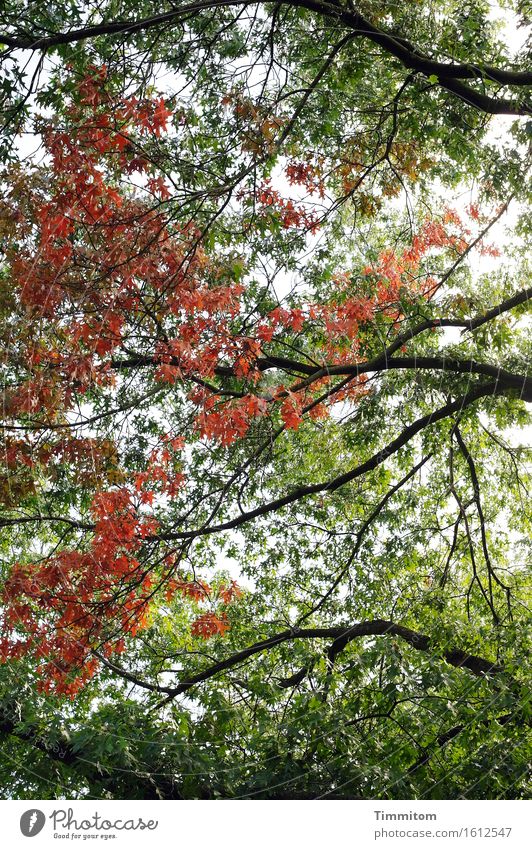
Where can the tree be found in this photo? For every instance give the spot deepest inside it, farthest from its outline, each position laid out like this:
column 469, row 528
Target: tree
column 265, row 525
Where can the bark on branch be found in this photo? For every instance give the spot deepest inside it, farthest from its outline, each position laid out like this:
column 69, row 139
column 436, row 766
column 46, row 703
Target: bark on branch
column 341, row 637
column 448, row 74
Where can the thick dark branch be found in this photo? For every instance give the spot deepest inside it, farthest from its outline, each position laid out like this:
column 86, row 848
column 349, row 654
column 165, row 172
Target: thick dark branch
column 505, row 379
column 480, row 391
column 448, row 74
column 517, row 299
column 129, row 676
column 57, row 748
column 341, row 637
column 385, row 360
column 116, row 27
column 411, row 57
column 520, row 383
column 497, row 387
column 508, row 304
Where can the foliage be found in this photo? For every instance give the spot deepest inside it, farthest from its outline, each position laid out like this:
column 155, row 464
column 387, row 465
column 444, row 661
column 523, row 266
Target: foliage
column 265, row 525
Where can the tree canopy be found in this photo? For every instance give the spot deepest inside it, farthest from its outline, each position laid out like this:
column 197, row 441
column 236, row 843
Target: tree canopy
column 265, row 313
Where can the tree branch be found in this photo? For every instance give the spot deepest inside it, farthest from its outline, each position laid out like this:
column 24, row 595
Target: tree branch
column 448, row 74
column 480, row 391
column 341, row 637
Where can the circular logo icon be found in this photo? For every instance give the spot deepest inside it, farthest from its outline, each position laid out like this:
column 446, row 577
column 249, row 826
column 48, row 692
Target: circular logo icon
column 32, row 822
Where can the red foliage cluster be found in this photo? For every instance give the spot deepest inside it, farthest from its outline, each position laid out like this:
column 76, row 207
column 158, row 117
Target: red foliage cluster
column 307, row 175
column 393, row 277
column 288, row 213
column 93, row 254
column 84, row 591
column 162, row 474
column 227, row 422
column 94, row 251
column 210, row 623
